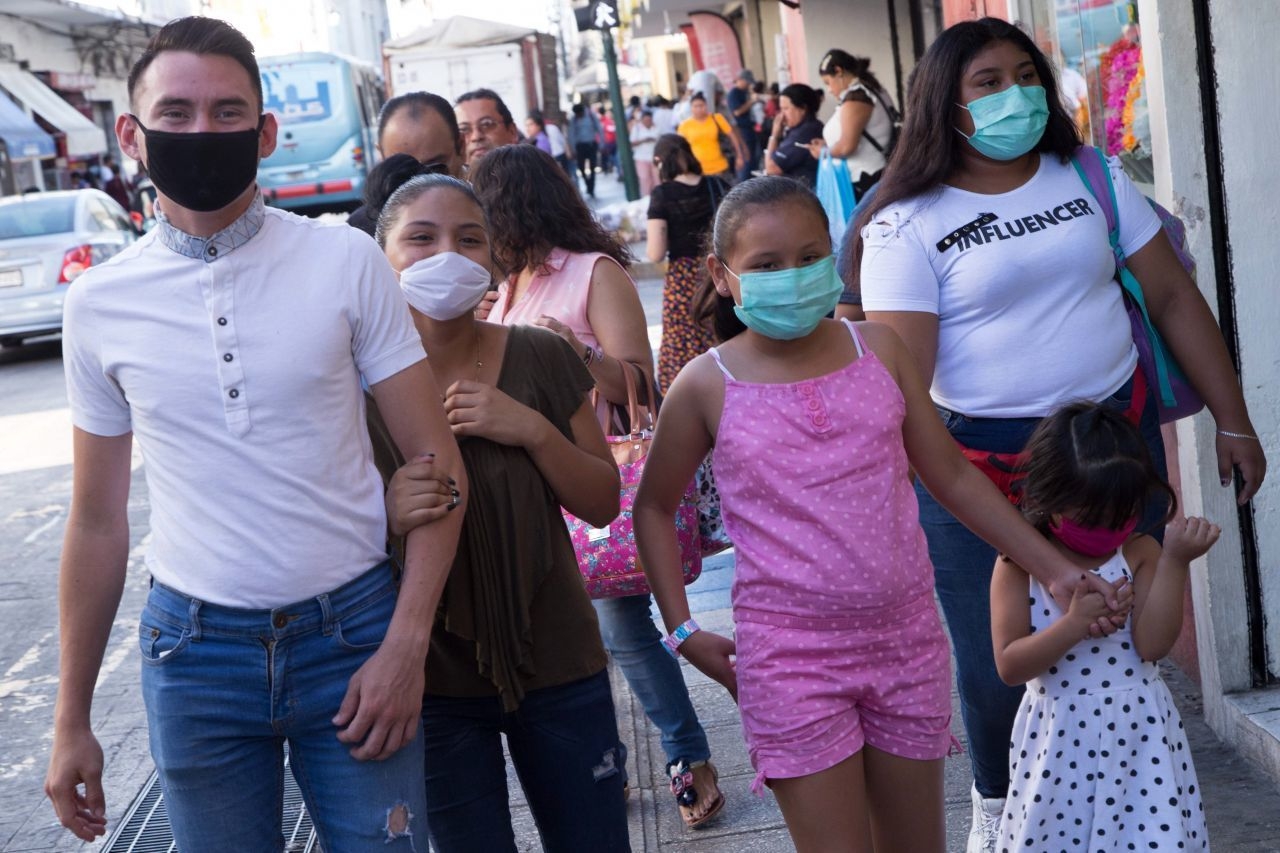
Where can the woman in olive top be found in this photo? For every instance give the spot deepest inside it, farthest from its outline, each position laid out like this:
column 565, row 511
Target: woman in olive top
column 515, row 649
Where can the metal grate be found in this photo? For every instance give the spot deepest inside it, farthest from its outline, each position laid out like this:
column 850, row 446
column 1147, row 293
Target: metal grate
column 145, row 828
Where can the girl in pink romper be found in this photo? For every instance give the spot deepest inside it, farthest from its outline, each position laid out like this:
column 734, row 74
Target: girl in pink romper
column 842, row 670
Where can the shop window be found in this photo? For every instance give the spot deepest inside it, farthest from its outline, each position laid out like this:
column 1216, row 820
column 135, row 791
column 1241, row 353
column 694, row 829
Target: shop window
column 1096, row 46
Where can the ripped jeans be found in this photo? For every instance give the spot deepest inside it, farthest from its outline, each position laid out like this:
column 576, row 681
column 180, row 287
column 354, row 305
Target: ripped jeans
column 225, row 688
column 564, row 744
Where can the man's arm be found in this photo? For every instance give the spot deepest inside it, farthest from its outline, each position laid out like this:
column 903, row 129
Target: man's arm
column 95, row 553
column 380, row 711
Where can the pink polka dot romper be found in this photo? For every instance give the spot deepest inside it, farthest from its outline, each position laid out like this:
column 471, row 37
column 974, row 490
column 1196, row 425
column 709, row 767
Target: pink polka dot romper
column 838, row 637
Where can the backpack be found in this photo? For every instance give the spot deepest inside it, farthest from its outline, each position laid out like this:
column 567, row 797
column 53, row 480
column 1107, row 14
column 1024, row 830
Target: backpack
column 895, row 125
column 1174, row 396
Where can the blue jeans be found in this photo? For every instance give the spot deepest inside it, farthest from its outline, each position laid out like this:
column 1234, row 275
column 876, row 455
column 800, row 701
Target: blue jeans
column 225, row 688
column 564, row 745
column 962, row 567
column 635, row 644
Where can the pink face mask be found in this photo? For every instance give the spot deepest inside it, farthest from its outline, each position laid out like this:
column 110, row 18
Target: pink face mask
column 1092, row 541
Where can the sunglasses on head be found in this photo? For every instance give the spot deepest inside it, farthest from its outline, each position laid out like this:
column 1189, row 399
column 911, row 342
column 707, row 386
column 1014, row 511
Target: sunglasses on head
column 433, row 168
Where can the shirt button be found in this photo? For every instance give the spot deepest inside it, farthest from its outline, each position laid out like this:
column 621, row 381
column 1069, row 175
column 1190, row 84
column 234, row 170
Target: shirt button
column 233, row 393
column 212, row 251
column 222, row 321
column 280, row 620
column 227, row 357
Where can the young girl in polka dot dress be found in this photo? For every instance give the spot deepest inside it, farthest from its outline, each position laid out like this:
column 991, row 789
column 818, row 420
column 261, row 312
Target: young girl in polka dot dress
column 842, row 670
column 1098, row 760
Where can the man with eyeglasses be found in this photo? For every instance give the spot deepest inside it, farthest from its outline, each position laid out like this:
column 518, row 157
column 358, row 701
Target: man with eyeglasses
column 484, row 122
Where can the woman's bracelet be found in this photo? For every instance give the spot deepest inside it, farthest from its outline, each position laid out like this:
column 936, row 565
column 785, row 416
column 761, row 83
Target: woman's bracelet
column 1224, row 432
column 683, row 631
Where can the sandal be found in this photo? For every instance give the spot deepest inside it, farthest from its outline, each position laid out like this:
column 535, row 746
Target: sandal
column 681, row 773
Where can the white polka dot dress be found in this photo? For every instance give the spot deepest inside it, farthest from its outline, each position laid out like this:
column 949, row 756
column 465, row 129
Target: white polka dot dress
column 1099, row 760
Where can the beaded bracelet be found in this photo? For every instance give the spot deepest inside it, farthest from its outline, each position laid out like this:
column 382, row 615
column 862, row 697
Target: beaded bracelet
column 1238, row 435
column 683, row 631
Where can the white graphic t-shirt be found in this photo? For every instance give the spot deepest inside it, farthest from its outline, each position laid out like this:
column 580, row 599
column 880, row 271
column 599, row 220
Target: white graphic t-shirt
column 1029, row 314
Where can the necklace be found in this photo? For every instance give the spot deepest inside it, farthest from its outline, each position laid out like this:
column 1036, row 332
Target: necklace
column 479, row 363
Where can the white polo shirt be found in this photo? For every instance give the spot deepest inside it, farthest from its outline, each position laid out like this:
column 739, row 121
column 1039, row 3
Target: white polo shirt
column 236, row 362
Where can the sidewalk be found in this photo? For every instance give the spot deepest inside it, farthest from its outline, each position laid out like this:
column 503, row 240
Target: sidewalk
column 1242, row 804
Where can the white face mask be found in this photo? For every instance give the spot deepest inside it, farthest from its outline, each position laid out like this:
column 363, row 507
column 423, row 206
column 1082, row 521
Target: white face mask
column 445, row 285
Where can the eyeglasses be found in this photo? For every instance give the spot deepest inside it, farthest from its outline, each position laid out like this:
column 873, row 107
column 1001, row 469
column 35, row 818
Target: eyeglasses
column 434, row 168
column 486, row 126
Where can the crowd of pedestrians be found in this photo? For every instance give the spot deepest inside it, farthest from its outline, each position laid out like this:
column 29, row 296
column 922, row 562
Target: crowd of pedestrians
column 385, row 581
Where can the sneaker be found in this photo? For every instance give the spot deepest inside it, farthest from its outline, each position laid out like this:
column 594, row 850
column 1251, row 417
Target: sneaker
column 985, row 833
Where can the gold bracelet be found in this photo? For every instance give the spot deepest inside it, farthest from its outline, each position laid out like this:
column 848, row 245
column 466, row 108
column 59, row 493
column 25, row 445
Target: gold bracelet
column 1239, row 435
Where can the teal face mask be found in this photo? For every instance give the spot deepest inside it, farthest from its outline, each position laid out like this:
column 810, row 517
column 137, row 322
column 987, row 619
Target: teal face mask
column 1008, row 124
column 788, row 304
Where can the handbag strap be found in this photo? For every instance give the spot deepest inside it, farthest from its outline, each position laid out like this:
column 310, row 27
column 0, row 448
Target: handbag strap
column 1091, row 165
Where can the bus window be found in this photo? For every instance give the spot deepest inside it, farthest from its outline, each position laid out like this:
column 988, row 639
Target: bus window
column 302, row 92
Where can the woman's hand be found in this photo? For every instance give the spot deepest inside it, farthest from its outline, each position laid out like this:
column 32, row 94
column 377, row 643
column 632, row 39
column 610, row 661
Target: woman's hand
column 552, row 324
column 1245, row 454
column 486, row 305
column 816, row 147
column 474, row 408
column 711, row 654
column 1118, row 597
column 1087, row 608
column 419, row 493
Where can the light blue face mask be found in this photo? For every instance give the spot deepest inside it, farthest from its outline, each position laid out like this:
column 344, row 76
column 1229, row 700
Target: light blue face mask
column 788, row 304
column 1008, row 124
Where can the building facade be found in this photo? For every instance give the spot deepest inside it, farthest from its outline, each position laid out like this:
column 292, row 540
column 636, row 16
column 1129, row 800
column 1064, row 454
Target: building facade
column 63, row 67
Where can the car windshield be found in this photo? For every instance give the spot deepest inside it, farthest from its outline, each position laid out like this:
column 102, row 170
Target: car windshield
column 36, row 217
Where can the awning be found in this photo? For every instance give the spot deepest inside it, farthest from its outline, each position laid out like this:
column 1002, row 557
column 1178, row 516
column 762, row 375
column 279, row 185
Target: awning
column 24, row 138
column 458, row 31
column 596, row 76
column 664, row 17
column 84, row 138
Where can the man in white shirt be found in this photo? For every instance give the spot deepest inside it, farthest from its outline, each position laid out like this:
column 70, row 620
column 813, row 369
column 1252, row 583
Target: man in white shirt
column 232, row 341
column 560, row 149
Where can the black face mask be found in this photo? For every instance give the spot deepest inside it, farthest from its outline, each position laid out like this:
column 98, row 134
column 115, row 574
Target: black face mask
column 202, row 171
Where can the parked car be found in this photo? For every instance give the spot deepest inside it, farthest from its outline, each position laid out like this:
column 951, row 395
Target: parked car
column 46, row 241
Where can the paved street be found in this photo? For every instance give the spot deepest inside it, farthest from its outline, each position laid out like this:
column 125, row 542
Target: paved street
column 35, row 478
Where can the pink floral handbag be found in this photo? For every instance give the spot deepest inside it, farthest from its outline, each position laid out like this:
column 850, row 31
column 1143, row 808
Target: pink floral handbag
column 607, row 556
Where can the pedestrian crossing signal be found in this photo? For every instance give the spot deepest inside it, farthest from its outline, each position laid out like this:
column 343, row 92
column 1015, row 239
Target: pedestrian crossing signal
column 597, row 15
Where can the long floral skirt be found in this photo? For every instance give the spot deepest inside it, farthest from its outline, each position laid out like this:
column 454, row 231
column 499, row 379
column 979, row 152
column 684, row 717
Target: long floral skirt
column 682, row 338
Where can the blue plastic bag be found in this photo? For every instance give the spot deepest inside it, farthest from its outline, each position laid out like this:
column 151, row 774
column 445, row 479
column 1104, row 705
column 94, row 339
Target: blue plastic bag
column 835, row 191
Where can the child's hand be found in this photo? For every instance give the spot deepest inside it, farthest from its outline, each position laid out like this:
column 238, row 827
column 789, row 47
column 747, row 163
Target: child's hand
column 1088, row 608
column 711, row 654
column 1188, row 538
